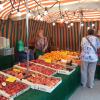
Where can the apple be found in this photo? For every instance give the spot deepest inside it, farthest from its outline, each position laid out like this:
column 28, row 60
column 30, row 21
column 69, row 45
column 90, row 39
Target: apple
column 51, row 65
column 39, row 68
column 17, row 72
column 11, row 88
column 44, row 80
column 3, row 98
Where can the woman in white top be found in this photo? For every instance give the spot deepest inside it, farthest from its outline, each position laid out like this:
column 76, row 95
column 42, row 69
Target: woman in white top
column 89, row 58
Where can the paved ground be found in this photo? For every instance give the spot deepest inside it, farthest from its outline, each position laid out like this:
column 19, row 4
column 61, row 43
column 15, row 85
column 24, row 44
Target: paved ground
column 87, row 93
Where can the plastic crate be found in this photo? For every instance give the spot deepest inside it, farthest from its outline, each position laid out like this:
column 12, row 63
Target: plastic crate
column 6, row 51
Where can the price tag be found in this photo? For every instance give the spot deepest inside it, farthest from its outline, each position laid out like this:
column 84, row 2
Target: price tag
column 64, row 61
column 3, row 83
column 11, row 79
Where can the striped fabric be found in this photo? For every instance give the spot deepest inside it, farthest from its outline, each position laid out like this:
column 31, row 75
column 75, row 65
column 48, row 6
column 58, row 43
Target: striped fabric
column 11, row 12
column 61, row 36
column 7, row 8
column 88, row 15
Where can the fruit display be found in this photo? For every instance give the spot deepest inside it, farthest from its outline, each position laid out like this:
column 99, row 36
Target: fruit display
column 43, row 70
column 11, row 88
column 67, row 63
column 59, row 55
column 39, row 81
column 58, row 67
column 3, row 98
column 17, row 72
column 38, row 68
column 51, row 65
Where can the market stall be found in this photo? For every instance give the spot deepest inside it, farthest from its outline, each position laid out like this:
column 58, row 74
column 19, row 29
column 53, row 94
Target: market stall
column 46, row 77
column 56, row 74
column 69, row 83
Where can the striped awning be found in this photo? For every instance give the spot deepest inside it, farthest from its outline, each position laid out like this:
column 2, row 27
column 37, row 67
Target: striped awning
column 88, row 15
column 69, row 8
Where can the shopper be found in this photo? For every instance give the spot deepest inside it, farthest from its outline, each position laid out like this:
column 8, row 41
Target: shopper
column 41, row 43
column 89, row 58
column 98, row 35
column 21, row 52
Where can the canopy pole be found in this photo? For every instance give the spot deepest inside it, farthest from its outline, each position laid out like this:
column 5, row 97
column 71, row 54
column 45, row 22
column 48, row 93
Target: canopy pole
column 27, row 35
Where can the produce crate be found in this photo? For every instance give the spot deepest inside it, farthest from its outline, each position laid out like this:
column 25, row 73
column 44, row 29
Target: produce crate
column 67, row 72
column 5, row 92
column 40, row 86
column 66, row 63
column 38, row 68
column 63, row 70
column 32, row 71
column 49, row 65
column 41, row 77
column 5, row 72
column 8, row 75
column 4, row 98
column 14, row 96
column 6, row 51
